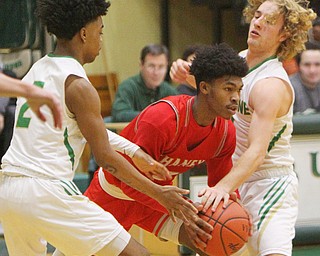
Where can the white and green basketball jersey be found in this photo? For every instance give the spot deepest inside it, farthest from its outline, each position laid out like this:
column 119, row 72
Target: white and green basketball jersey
column 37, row 148
column 278, row 153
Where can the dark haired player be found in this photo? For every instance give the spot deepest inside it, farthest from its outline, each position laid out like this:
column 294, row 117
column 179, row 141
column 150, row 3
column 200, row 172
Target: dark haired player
column 39, row 202
column 180, row 132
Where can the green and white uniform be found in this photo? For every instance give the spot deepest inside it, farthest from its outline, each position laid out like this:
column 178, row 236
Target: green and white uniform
column 39, row 202
column 270, row 194
column 37, row 146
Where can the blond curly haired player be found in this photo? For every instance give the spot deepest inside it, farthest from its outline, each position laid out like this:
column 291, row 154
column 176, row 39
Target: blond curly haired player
column 263, row 166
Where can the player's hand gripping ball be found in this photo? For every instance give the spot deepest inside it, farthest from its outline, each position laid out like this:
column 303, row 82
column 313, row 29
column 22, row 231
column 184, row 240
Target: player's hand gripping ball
column 231, row 228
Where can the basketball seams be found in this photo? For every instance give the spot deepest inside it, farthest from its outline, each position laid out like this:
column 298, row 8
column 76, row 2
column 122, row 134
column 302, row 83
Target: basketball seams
column 228, row 239
column 232, row 231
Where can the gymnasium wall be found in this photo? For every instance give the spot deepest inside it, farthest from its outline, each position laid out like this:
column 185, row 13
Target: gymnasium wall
column 131, row 24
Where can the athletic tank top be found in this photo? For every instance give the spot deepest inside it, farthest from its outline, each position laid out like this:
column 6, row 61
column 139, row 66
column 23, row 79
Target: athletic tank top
column 37, row 148
column 278, row 153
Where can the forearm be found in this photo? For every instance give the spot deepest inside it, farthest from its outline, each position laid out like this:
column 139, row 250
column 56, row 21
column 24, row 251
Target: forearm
column 10, row 87
column 124, row 171
column 242, row 169
column 143, row 199
column 121, row 144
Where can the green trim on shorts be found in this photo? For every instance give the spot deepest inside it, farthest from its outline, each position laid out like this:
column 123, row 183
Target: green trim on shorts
column 70, row 188
column 275, row 193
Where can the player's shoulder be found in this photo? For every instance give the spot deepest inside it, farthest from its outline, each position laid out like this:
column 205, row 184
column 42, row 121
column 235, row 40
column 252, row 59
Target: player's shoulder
column 225, row 124
column 169, row 109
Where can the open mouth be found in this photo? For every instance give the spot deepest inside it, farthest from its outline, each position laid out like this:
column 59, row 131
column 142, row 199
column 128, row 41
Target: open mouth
column 233, row 109
column 254, row 32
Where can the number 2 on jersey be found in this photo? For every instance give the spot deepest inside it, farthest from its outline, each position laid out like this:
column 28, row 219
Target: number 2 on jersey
column 24, row 121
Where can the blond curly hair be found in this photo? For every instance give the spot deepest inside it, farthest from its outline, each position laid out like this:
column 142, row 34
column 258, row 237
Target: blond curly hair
column 298, row 19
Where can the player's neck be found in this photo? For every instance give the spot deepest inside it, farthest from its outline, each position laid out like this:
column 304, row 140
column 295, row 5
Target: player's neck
column 66, row 48
column 201, row 114
column 256, row 58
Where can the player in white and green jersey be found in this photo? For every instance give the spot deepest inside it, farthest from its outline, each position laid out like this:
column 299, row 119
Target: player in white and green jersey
column 39, row 202
column 262, row 166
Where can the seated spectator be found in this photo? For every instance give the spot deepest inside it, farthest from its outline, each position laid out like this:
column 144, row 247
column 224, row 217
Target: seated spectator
column 291, row 65
column 137, row 92
column 314, row 33
column 306, row 82
column 7, row 113
column 188, row 55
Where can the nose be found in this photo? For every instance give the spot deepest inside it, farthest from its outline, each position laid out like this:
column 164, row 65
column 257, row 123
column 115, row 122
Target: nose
column 258, row 21
column 314, row 68
column 235, row 98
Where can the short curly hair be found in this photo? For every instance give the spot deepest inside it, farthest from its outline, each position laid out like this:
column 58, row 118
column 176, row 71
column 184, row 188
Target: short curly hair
column 215, row 61
column 64, row 18
column 297, row 21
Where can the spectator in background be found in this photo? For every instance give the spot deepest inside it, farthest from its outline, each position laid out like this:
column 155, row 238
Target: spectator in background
column 291, row 66
column 314, row 32
column 306, row 82
column 137, row 92
column 188, row 55
column 7, row 110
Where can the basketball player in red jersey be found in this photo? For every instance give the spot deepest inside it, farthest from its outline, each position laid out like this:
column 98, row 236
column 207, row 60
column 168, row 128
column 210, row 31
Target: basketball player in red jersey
column 180, row 132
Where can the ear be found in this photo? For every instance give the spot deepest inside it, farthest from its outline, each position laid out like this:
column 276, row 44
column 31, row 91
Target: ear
column 204, row 87
column 83, row 34
column 284, row 36
column 141, row 64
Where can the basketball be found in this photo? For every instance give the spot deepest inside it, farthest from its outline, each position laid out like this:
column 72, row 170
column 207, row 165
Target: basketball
column 230, row 229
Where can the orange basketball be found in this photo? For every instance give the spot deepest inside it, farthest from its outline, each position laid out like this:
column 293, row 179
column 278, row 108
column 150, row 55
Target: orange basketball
column 230, row 229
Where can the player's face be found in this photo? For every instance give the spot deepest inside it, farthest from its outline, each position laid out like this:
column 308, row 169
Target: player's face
column 266, row 28
column 223, row 96
column 154, row 70
column 93, row 36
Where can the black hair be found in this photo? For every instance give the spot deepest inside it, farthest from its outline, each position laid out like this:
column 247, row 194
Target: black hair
column 309, row 46
column 214, row 61
column 191, row 49
column 316, row 22
column 64, row 18
column 155, row 50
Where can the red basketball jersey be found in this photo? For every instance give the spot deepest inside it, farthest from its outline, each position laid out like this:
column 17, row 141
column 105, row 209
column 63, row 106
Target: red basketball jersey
column 168, row 132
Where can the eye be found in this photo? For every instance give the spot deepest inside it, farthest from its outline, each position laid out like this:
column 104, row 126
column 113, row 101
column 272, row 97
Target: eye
column 257, row 15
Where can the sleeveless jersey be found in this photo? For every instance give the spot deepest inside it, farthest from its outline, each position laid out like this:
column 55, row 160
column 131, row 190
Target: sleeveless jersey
column 278, row 153
column 164, row 130
column 37, row 148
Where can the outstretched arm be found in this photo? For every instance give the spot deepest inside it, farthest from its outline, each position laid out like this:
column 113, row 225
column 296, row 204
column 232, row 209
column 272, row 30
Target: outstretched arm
column 35, row 96
column 83, row 100
column 179, row 73
column 150, row 167
column 269, row 99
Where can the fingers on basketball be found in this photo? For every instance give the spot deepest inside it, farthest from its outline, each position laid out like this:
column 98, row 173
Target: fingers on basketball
column 231, row 228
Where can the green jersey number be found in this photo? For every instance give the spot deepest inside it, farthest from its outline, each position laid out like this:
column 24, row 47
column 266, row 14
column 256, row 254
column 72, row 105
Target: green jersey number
column 22, row 121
